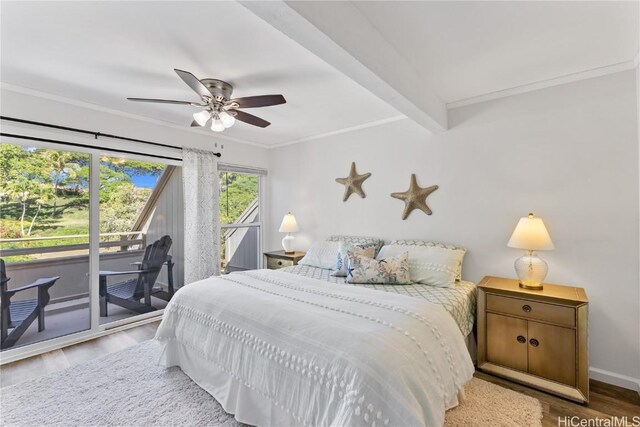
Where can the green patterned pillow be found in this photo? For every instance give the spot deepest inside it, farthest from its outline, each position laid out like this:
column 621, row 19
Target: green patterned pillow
column 427, row 243
column 393, row 271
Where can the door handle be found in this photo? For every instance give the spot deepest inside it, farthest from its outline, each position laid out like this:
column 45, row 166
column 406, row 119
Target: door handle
column 534, row 342
column 521, row 339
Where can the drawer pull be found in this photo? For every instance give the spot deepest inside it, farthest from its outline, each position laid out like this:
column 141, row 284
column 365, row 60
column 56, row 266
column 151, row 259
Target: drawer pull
column 279, row 262
column 534, row 342
column 526, row 308
column 521, row 339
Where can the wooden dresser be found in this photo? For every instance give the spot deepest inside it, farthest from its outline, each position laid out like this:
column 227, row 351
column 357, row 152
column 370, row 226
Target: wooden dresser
column 538, row 338
column 280, row 259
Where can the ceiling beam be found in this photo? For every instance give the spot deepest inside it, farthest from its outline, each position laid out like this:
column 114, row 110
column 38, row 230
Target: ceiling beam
column 340, row 35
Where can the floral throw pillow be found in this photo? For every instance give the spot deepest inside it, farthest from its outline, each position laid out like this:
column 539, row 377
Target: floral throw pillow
column 394, row 270
column 342, row 261
column 431, row 265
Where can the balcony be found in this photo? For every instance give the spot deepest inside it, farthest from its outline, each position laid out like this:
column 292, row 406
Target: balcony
column 68, row 310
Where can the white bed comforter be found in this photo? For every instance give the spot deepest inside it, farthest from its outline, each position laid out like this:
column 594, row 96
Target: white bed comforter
column 324, row 354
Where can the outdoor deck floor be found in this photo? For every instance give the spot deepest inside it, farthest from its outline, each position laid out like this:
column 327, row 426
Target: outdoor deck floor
column 71, row 317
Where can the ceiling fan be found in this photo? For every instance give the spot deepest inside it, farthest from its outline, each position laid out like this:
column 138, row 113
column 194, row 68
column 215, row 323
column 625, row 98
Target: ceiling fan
column 218, row 105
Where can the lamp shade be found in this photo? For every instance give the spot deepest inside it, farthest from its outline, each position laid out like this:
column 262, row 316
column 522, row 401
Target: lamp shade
column 289, row 224
column 531, row 234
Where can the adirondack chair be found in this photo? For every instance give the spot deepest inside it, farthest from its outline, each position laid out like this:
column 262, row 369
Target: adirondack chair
column 129, row 293
column 18, row 315
column 158, row 292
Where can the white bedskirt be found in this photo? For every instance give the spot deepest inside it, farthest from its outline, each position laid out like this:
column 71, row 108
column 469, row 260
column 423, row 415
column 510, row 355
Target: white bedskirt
column 276, row 349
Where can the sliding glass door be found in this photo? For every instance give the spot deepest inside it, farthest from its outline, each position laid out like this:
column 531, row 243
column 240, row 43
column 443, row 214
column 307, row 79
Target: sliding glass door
column 140, row 207
column 95, row 238
column 44, row 243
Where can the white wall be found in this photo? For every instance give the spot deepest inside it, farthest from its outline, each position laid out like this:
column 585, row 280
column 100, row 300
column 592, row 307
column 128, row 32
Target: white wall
column 568, row 153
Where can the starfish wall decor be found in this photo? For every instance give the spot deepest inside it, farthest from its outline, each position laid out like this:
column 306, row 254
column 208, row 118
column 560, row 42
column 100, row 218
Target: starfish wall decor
column 415, row 197
column 353, row 183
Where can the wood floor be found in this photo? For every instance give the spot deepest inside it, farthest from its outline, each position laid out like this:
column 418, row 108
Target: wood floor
column 606, row 400
column 47, row 363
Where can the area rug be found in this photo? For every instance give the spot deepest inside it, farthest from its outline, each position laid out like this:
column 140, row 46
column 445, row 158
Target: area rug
column 128, row 388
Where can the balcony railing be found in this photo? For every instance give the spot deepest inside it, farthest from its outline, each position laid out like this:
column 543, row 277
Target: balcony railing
column 69, row 261
column 68, row 310
column 126, row 241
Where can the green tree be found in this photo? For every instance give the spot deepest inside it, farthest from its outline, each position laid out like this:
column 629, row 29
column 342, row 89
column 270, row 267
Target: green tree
column 33, row 180
column 28, row 192
column 121, row 202
column 120, row 207
column 237, row 192
column 63, row 167
column 42, row 195
column 12, row 158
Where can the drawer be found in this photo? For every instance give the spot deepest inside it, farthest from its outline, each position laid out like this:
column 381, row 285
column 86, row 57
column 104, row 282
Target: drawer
column 276, row 263
column 551, row 313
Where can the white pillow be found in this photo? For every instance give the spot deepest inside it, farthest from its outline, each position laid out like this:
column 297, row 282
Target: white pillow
column 321, row 254
column 430, row 244
column 429, row 265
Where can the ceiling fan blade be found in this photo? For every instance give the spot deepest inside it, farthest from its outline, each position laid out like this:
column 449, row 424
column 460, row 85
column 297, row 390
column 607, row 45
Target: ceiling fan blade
column 251, row 119
column 193, row 82
column 258, row 101
column 166, row 101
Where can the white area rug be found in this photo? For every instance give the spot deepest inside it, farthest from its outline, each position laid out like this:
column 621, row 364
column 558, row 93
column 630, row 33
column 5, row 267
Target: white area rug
column 128, row 388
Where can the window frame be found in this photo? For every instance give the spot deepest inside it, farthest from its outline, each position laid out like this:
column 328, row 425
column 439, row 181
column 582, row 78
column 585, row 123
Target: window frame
column 261, row 174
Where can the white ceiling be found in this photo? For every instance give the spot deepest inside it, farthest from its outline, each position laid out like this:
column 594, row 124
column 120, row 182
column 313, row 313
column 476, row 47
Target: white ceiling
column 472, row 48
column 103, row 52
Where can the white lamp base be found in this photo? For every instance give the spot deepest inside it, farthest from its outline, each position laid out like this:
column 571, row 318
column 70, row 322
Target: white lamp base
column 287, row 244
column 531, row 271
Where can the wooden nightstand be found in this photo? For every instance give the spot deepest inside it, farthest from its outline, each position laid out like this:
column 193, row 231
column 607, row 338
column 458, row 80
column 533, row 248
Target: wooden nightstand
column 538, row 338
column 278, row 259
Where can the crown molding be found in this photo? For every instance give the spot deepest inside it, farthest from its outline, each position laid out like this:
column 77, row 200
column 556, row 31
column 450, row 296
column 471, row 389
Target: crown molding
column 542, row 84
column 340, row 131
column 95, row 107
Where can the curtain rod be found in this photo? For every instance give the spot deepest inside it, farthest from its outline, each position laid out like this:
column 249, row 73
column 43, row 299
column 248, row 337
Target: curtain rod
column 95, row 135
column 75, row 144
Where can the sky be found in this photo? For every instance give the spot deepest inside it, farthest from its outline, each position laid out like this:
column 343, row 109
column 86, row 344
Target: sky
column 145, row 181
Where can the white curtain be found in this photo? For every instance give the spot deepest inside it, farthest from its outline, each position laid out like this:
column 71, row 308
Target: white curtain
column 201, row 222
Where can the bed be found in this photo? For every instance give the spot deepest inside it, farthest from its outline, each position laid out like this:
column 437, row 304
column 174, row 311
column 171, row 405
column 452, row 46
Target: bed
column 283, row 348
column 459, row 301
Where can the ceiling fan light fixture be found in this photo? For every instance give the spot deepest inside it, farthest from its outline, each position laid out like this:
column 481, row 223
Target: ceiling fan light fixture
column 227, row 119
column 219, row 107
column 216, row 124
column 202, row 117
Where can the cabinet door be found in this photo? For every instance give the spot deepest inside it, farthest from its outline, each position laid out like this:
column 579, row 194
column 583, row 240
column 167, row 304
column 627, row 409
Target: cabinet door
column 507, row 341
column 552, row 352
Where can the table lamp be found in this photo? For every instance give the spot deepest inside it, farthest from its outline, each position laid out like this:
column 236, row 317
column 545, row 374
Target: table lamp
column 289, row 225
column 531, row 234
